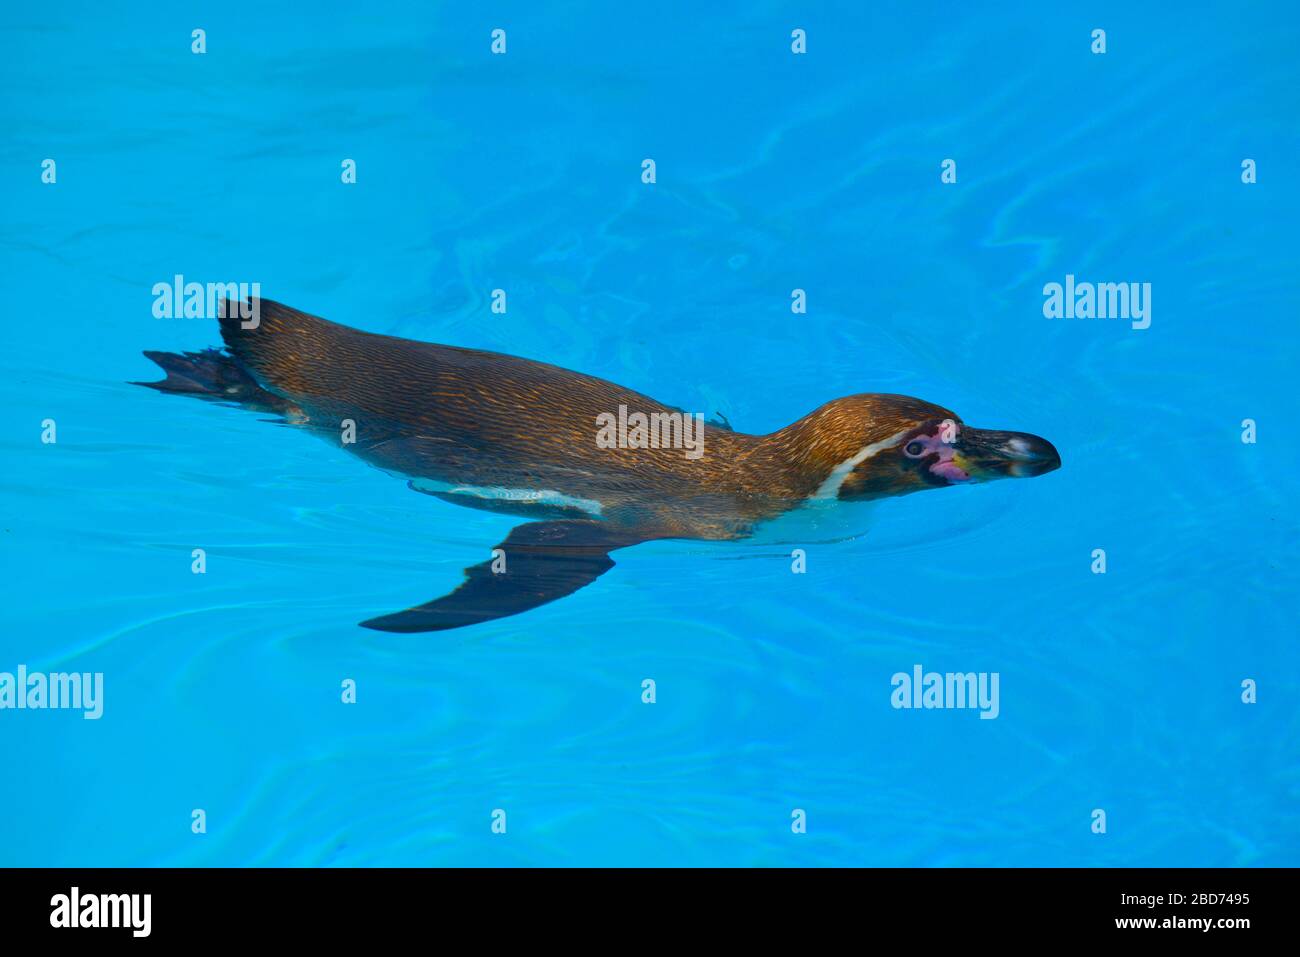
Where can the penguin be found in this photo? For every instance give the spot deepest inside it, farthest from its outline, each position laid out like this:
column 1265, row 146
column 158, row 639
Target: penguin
column 592, row 466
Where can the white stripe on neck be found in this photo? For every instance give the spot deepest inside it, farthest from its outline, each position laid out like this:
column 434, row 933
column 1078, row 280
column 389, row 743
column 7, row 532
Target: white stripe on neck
column 830, row 488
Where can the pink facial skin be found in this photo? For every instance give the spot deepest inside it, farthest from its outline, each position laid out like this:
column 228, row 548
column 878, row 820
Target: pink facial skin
column 934, row 444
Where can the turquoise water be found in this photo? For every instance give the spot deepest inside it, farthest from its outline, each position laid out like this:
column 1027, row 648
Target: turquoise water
column 1119, row 691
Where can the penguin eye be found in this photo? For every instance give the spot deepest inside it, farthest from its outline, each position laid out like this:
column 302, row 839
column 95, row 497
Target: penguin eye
column 915, row 449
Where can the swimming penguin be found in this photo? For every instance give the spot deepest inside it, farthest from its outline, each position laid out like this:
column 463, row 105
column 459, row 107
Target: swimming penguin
column 595, row 466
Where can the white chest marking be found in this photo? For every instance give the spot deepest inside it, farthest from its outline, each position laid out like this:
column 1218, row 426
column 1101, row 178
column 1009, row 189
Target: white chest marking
column 830, row 488
column 526, row 496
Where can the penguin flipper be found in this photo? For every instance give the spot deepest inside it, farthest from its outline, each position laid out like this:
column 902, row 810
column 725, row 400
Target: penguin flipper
column 543, row 561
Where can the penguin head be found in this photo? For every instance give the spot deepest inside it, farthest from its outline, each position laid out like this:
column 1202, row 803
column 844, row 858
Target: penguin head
column 876, row 446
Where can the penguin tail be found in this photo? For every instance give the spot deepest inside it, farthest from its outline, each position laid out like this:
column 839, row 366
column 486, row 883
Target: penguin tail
column 282, row 348
column 213, row 375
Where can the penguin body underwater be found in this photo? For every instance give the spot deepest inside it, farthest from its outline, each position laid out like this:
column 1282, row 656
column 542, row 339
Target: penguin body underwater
column 497, row 432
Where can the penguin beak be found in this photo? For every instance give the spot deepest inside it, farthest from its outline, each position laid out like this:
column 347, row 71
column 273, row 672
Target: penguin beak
column 986, row 455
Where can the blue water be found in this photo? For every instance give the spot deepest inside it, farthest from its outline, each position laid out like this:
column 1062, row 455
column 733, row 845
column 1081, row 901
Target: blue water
column 1119, row 691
